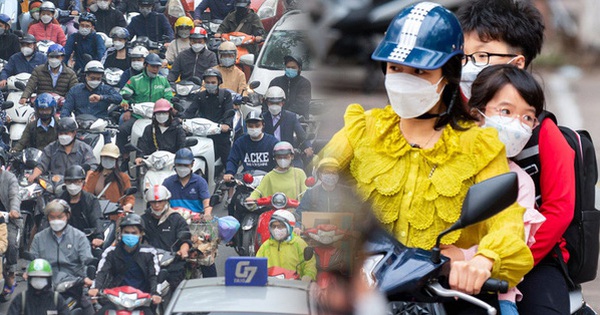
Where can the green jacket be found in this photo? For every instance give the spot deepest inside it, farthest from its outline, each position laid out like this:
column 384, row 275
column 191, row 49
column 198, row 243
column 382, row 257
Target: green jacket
column 287, row 255
column 146, row 89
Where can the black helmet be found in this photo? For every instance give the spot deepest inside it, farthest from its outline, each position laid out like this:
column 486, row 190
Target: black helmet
column 132, row 219
column 74, row 172
column 27, row 39
column 153, row 59
column 242, row 3
column 87, row 17
column 66, row 124
column 289, row 58
column 211, row 72
column 254, row 116
column 145, row 2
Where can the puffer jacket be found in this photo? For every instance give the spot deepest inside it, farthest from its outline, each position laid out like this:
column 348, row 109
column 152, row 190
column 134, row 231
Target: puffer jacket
column 171, row 140
column 41, row 81
column 50, row 31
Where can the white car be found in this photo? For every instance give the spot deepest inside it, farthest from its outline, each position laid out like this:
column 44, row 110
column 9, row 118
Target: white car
column 289, row 36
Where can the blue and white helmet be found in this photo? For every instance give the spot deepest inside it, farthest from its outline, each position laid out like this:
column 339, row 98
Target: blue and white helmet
column 424, row 36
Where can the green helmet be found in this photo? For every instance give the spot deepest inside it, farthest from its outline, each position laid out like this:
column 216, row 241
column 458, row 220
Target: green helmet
column 39, row 268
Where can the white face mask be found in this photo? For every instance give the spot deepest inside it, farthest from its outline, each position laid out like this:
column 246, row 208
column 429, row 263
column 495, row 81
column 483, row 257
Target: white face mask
column 58, row 225
column 330, row 179
column 411, row 96
column 65, row 139
column 183, row 33
column 54, row 62
column 94, row 7
column 74, row 189
column 198, row 47
column 108, row 163
column 227, row 62
column 137, row 65
column 469, row 74
column 284, row 163
column 35, row 16
column 103, row 5
column 120, row 45
column 46, row 19
column 160, row 212
column 27, row 51
column 211, row 88
column 151, row 75
column 182, row 171
column 254, row 132
column 93, row 84
column 162, row 117
column 511, row 132
column 279, row 234
column 274, row 109
column 38, row 283
column 85, row 31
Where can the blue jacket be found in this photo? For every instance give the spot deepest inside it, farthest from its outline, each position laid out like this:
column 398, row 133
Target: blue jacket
column 190, row 196
column 79, row 45
column 77, row 100
column 254, row 155
column 17, row 63
column 290, row 129
column 127, row 74
column 154, row 26
column 218, row 9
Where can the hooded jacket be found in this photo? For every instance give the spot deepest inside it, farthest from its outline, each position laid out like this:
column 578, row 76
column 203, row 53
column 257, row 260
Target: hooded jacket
column 163, row 232
column 298, row 93
column 10, row 44
column 153, row 139
column 44, row 303
column 288, row 255
column 189, row 63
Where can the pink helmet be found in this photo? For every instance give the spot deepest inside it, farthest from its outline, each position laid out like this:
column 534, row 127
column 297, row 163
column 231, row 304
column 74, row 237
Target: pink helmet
column 162, row 105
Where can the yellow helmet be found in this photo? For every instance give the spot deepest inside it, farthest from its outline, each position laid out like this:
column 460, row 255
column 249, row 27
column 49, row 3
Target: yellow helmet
column 184, row 21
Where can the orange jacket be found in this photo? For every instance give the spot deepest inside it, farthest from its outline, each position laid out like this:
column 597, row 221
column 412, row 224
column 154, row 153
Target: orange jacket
column 112, row 193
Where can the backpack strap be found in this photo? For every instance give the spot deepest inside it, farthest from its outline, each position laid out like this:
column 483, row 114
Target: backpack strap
column 56, row 299
column 221, row 97
column 563, row 266
column 23, row 302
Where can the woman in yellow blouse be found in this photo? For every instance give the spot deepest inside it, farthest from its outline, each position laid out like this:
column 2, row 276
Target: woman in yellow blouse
column 415, row 159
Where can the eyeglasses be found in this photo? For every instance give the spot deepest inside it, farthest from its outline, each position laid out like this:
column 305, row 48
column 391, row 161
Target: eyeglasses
column 525, row 119
column 482, row 58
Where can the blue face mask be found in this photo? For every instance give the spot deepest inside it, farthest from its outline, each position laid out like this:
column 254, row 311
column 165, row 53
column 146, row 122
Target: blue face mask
column 130, row 240
column 291, row 73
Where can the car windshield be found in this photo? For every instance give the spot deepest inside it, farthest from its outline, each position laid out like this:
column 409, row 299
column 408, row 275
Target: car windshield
column 283, row 43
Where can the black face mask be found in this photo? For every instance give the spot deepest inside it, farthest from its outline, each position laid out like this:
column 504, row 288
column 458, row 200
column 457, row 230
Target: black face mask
column 45, row 117
column 240, row 13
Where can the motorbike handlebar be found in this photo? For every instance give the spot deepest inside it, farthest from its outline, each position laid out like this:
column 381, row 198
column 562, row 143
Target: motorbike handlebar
column 495, row 285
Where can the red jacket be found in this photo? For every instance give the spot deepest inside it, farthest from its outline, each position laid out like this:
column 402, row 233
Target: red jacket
column 557, row 182
column 51, row 32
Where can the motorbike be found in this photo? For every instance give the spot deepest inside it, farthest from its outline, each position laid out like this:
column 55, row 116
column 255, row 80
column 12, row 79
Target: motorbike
column 19, row 114
column 111, row 212
column 185, row 92
column 416, row 279
column 276, row 272
column 325, row 241
column 267, row 206
column 241, row 41
column 72, row 288
column 92, row 131
column 112, row 76
column 127, row 299
column 22, row 164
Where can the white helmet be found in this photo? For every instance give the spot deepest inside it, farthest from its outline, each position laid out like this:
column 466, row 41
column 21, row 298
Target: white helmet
column 94, row 66
column 284, row 216
column 275, row 94
column 157, row 193
column 138, row 52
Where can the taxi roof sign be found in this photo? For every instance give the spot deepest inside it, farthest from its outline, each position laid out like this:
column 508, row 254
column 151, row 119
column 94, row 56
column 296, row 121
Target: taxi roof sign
column 246, row 271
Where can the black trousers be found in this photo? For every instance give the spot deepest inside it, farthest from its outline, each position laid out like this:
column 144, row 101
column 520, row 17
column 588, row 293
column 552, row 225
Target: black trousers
column 545, row 290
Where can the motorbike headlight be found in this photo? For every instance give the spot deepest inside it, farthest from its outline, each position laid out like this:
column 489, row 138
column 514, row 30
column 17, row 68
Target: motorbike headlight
column 159, row 163
column 369, row 267
column 237, row 40
column 183, row 90
column 24, row 194
column 268, row 9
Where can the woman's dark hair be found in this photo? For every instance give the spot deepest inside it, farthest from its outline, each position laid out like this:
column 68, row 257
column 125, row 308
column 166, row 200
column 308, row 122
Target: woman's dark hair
column 493, row 78
column 114, row 176
column 456, row 111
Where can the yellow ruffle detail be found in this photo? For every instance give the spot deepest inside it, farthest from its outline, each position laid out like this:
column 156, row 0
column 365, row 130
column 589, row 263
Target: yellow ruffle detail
column 381, row 167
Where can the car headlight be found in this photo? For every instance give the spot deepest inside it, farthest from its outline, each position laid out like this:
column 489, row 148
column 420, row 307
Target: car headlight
column 369, row 267
column 268, row 9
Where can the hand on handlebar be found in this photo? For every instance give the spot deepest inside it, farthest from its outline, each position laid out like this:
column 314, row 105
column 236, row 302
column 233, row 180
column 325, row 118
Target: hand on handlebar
column 139, row 161
column 87, row 282
column 228, row 177
column 156, row 299
column 258, row 39
column 97, row 242
column 197, row 22
column 469, row 275
column 22, row 101
column 93, row 292
column 2, row 83
column 14, row 214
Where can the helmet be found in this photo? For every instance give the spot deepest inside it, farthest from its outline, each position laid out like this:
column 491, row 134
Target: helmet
column 242, row 3
column 48, row 6
column 94, row 66
column 283, row 148
column 153, row 59
column 184, row 156
column 56, row 50
column 254, row 115
column 5, row 19
column 119, row 32
column 39, row 268
column 211, row 72
column 45, row 100
column 184, row 21
column 110, row 150
column 423, row 36
column 227, row 47
column 132, row 219
column 74, row 172
column 28, row 39
column 87, row 17
column 198, row 32
column 145, row 2
column 275, row 94
column 35, row 4
column 57, row 205
column 162, row 105
column 157, row 193
column 66, row 124
column 138, row 52
column 284, row 216
column 328, row 162
column 289, row 58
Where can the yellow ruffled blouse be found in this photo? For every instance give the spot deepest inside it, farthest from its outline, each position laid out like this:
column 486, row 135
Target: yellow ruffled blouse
column 417, row 193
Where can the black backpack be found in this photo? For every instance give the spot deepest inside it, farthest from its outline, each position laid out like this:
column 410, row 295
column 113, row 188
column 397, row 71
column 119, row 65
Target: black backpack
column 582, row 235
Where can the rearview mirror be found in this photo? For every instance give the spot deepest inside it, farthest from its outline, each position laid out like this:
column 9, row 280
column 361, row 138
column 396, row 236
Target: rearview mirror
column 196, row 80
column 8, row 104
column 308, row 253
column 130, row 191
column 127, row 96
column 247, row 60
column 190, row 142
column 184, row 235
column 214, row 200
column 254, row 84
column 20, row 85
column 130, row 148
